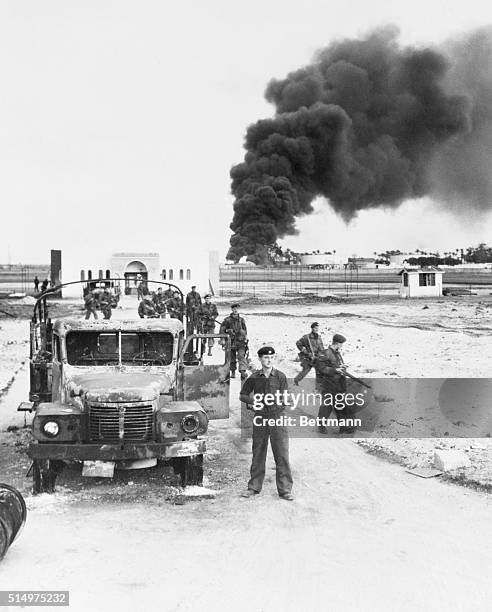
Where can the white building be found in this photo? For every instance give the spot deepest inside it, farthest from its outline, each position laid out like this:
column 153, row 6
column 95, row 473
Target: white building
column 421, row 282
column 319, row 259
column 190, row 267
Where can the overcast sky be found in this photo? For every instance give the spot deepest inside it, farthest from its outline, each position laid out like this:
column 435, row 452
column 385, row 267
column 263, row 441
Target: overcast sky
column 119, row 121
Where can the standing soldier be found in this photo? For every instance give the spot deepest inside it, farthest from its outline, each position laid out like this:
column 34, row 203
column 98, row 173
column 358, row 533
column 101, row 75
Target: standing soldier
column 90, row 305
column 44, row 285
column 330, row 369
column 193, row 303
column 207, row 315
column 310, row 347
column 272, row 382
column 158, row 299
column 175, row 307
column 235, row 326
column 105, row 304
column 36, row 284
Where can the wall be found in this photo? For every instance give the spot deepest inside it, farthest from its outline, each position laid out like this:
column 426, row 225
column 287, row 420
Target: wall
column 415, row 290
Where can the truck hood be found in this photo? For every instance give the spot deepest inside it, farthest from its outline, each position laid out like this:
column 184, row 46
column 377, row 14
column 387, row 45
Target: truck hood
column 114, row 385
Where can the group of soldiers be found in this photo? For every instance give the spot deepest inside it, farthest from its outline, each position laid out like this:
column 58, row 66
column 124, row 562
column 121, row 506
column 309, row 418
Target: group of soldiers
column 103, row 301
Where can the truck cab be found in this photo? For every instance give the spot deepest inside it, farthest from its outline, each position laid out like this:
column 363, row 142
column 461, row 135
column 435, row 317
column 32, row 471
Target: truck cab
column 122, row 391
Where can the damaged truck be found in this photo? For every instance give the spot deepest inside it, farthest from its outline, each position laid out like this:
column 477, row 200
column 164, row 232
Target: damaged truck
column 121, row 393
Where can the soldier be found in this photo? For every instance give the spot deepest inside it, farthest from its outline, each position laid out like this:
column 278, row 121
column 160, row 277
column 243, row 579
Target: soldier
column 193, row 303
column 310, row 346
column 44, row 285
column 330, row 369
column 175, row 306
column 105, row 304
column 146, row 308
column 168, row 294
column 158, row 299
column 207, row 315
column 268, row 380
column 36, row 284
column 90, row 303
column 235, row 326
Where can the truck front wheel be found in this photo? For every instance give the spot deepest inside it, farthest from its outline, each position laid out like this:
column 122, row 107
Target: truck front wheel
column 189, row 469
column 44, row 473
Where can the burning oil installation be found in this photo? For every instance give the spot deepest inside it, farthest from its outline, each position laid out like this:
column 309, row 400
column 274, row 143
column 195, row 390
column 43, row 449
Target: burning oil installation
column 369, row 123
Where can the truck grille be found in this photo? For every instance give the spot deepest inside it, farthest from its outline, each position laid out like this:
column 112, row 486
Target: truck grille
column 120, row 423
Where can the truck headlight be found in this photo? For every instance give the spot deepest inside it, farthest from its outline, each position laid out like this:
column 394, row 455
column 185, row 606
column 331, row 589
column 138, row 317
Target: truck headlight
column 190, row 423
column 51, row 429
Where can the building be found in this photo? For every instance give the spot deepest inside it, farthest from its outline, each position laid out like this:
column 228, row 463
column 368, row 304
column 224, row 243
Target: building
column 362, row 262
column 421, row 282
column 182, row 269
column 325, row 260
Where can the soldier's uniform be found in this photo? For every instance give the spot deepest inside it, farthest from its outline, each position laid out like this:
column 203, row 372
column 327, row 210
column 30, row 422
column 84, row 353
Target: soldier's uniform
column 193, row 303
column 159, row 305
column 146, row 309
column 259, row 383
column 332, row 382
column 310, row 347
column 90, row 303
column 235, row 326
column 207, row 315
column 175, row 308
column 105, row 304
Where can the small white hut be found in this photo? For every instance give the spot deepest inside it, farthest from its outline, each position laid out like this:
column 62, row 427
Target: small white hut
column 421, row 282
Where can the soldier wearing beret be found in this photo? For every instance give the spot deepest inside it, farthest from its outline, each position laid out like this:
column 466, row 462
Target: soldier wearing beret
column 310, row 347
column 235, row 326
column 193, row 303
column 268, row 380
column 208, row 313
column 330, row 369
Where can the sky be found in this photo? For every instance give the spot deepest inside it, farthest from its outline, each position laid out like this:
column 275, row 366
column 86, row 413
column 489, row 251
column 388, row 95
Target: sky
column 120, row 121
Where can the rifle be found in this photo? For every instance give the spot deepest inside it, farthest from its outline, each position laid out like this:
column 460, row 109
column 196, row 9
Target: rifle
column 361, row 382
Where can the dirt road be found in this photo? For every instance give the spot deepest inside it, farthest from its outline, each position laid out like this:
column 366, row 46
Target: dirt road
column 361, row 534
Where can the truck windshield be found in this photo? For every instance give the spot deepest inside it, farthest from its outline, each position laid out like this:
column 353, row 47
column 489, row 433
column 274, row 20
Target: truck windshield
column 113, row 348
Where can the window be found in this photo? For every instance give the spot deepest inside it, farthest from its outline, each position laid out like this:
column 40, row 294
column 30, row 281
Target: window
column 181, row 275
column 188, row 274
column 108, row 273
column 82, row 275
column 100, row 273
column 163, row 275
column 405, row 279
column 170, row 275
column 427, row 279
column 56, row 344
column 89, row 274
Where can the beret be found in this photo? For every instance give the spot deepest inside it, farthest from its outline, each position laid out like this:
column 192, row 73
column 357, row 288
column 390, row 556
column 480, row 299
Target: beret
column 208, row 295
column 234, row 305
column 339, row 338
column 314, row 324
column 193, row 286
column 266, row 350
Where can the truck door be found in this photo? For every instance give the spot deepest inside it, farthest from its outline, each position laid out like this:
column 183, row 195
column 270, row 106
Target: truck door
column 205, row 378
column 40, row 362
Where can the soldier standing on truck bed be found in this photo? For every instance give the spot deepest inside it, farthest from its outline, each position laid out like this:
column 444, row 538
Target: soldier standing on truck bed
column 105, row 304
column 207, row 314
column 90, row 303
column 310, row 346
column 193, row 303
column 235, row 326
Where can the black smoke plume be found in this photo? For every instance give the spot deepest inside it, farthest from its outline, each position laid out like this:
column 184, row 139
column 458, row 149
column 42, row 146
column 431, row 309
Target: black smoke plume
column 369, row 123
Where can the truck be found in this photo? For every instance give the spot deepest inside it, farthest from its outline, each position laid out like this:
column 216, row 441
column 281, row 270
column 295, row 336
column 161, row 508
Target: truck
column 121, row 393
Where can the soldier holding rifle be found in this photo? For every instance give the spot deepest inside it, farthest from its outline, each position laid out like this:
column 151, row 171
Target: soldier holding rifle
column 207, row 314
column 310, row 347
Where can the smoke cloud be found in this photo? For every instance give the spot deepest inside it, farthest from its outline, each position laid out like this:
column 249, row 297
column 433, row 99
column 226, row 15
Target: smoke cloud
column 368, row 124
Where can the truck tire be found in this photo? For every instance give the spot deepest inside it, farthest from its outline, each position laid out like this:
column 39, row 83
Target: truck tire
column 189, row 469
column 44, row 473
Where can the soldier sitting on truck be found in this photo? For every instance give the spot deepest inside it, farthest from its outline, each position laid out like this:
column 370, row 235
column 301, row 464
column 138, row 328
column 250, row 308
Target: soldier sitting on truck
column 158, row 299
column 146, row 309
column 175, row 306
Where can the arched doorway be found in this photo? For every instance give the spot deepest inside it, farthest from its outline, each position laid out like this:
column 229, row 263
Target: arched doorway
column 135, row 272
